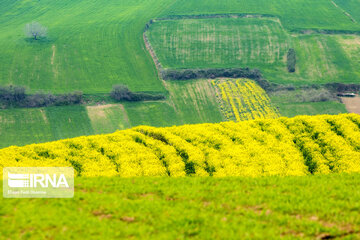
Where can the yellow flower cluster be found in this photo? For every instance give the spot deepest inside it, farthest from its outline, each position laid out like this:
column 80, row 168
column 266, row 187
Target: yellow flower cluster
column 284, row 146
column 243, row 99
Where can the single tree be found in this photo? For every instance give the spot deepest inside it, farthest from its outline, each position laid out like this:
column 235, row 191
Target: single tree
column 35, row 30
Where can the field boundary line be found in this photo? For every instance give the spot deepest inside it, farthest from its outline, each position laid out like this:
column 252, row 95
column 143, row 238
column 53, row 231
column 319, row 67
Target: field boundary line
column 344, row 12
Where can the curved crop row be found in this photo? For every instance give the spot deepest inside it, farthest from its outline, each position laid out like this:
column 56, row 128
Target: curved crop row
column 243, row 99
column 284, row 146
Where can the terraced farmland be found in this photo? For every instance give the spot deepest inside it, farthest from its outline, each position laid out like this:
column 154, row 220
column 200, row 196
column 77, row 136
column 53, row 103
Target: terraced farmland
column 243, row 99
column 287, row 146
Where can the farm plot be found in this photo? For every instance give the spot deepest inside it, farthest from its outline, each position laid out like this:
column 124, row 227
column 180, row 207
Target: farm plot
column 26, row 126
column 243, row 99
column 107, row 118
column 256, row 43
column 219, row 42
column 194, row 101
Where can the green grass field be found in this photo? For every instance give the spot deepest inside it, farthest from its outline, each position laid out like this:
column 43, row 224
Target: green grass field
column 26, row 126
column 310, row 108
column 309, row 207
column 256, row 43
column 91, row 45
column 219, row 42
column 351, row 7
column 295, row 14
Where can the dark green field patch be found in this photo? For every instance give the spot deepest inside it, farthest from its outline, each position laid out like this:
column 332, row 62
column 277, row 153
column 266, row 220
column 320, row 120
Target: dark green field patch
column 69, row 121
column 24, row 126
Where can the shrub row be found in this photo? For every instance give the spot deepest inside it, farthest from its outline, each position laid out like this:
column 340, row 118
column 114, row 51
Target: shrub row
column 123, row 93
column 15, row 96
column 342, row 87
column 186, row 74
column 291, row 60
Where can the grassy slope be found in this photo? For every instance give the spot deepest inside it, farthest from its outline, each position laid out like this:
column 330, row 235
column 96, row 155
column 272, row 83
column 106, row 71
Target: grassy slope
column 306, row 207
column 350, row 6
column 25, row 126
column 295, row 14
column 290, row 105
column 91, row 45
column 310, row 108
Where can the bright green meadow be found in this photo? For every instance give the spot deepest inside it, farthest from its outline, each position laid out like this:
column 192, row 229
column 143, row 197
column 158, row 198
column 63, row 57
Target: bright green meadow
column 309, row 207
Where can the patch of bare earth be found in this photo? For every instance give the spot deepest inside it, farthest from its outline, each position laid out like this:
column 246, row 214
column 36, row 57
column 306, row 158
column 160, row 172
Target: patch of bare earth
column 352, row 104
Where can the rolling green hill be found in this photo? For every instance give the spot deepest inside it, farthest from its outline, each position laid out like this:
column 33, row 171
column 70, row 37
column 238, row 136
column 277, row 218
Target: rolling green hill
column 92, row 45
column 295, row 14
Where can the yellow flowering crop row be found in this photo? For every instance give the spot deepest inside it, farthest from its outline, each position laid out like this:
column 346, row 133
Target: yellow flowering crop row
column 284, row 146
column 243, row 99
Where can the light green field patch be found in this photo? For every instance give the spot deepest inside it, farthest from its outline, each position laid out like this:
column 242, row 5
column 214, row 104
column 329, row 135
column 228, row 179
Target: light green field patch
column 194, row 101
column 219, row 42
column 107, row 118
column 310, row 108
column 351, row 46
column 159, row 113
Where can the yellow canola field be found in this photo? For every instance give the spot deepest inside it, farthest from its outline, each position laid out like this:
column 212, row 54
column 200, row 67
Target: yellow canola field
column 243, row 99
column 285, row 146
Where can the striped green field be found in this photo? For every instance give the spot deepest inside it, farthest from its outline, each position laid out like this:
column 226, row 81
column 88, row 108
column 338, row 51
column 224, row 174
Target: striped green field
column 256, row 43
column 219, row 42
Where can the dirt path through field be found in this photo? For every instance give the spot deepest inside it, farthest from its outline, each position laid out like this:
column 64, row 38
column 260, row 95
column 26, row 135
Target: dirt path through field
column 352, row 104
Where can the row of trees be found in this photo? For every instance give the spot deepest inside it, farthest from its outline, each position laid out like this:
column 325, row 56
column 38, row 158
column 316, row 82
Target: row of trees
column 16, row 96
